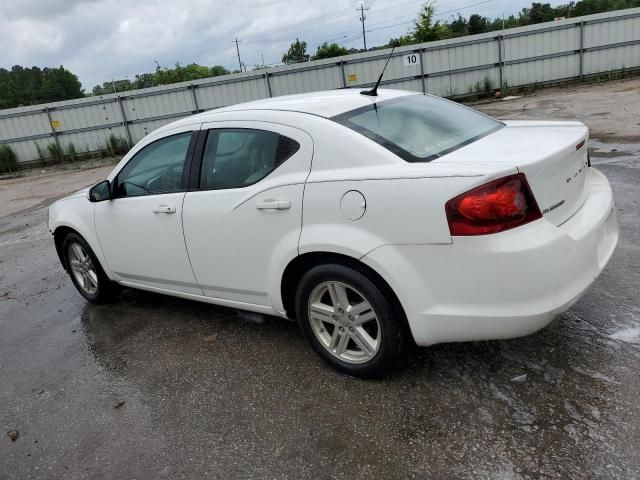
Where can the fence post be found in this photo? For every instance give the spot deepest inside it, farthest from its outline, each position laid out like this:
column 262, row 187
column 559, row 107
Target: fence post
column 424, row 80
column 192, row 87
column 266, row 79
column 125, row 122
column 344, row 78
column 581, row 51
column 55, row 134
column 500, row 61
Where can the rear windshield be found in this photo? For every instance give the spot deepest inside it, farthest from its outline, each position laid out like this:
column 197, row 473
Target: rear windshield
column 419, row 128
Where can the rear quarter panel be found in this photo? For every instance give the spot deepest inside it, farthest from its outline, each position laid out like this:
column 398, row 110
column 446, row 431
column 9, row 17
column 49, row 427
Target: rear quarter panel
column 404, row 201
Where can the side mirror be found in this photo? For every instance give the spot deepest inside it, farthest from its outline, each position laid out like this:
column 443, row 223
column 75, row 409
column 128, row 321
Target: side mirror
column 100, row 192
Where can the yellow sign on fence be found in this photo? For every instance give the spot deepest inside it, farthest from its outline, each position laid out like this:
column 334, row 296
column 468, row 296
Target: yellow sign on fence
column 352, row 77
column 56, row 123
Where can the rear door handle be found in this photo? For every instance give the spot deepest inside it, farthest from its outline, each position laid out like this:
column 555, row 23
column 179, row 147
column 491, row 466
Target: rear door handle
column 274, row 205
column 164, row 209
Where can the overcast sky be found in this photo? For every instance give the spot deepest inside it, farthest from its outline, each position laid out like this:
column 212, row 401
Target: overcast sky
column 103, row 39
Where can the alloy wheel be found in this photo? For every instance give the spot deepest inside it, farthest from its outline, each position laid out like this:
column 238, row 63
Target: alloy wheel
column 83, row 269
column 344, row 322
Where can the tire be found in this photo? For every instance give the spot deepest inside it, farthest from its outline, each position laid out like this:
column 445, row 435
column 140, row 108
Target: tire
column 99, row 288
column 325, row 323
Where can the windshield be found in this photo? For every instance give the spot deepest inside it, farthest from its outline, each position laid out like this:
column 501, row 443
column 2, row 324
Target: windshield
column 419, row 128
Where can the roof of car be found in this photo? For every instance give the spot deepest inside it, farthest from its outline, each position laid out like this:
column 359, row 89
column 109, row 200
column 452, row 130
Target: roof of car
column 324, row 104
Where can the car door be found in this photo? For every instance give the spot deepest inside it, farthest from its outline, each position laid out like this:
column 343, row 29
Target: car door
column 242, row 221
column 140, row 229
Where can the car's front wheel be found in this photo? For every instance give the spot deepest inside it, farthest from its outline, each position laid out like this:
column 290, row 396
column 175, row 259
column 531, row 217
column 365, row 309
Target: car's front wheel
column 349, row 321
column 85, row 271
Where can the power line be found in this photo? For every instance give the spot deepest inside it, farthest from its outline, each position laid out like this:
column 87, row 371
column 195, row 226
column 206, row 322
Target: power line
column 350, row 36
column 350, row 39
column 317, row 21
column 308, row 22
column 437, row 15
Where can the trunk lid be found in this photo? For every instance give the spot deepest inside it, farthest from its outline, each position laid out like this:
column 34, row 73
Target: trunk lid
column 546, row 152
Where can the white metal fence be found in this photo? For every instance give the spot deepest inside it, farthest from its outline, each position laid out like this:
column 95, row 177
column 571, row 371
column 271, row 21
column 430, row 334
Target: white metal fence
column 545, row 53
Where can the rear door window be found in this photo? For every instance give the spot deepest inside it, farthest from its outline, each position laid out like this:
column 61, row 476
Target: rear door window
column 239, row 157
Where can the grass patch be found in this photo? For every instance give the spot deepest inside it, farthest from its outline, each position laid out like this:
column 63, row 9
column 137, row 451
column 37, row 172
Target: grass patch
column 70, row 152
column 8, row 159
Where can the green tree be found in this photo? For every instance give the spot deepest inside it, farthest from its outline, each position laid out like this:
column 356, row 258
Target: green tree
column 193, row 71
column 426, row 30
column 477, row 24
column 113, row 86
column 459, row 27
column 329, row 50
column 30, row 86
column 297, row 52
column 161, row 76
column 401, row 41
column 541, row 12
column 144, row 80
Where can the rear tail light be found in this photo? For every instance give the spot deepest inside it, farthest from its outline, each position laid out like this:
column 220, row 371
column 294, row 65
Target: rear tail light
column 493, row 207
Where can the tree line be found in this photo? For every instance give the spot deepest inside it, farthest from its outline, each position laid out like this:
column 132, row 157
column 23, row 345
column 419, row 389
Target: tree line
column 427, row 29
column 29, row 86
column 161, row 76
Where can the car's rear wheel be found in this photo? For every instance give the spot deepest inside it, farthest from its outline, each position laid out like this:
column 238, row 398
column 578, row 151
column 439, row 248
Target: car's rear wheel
column 85, row 271
column 349, row 321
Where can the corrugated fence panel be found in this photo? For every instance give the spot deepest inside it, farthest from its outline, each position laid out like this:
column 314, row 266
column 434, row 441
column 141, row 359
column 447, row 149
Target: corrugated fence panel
column 142, row 129
column 541, row 53
column 540, row 71
column 466, row 56
column 150, row 106
column 413, row 85
column 223, row 94
column 613, row 31
column 33, row 124
column 543, row 43
column 365, row 73
column 95, row 115
column 607, row 59
column 327, row 77
column 26, row 150
column 91, row 140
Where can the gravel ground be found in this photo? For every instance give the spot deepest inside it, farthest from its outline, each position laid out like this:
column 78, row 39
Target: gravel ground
column 157, row 387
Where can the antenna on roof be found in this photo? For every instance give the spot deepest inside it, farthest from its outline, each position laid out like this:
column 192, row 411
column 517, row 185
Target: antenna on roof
column 374, row 91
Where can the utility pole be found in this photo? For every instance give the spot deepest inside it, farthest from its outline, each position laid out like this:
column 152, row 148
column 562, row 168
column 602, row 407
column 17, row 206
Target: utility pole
column 362, row 19
column 238, row 50
column 262, row 55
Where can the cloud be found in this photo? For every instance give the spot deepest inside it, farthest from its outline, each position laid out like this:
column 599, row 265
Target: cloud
column 104, row 39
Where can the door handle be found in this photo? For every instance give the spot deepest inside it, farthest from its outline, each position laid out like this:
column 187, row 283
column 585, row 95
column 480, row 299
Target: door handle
column 164, row 209
column 274, row 205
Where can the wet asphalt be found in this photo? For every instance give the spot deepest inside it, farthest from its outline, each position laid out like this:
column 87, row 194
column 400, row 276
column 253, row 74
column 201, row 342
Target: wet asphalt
column 156, row 387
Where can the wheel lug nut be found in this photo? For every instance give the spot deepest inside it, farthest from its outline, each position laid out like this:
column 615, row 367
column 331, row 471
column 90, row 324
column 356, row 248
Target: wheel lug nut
column 351, row 329
column 341, row 329
column 351, row 317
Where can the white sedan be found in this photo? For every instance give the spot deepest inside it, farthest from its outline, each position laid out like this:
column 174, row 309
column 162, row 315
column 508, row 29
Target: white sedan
column 375, row 221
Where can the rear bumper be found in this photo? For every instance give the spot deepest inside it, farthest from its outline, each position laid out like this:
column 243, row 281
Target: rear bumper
column 504, row 285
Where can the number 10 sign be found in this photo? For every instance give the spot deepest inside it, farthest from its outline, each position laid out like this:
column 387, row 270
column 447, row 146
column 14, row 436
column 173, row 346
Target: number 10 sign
column 411, row 59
